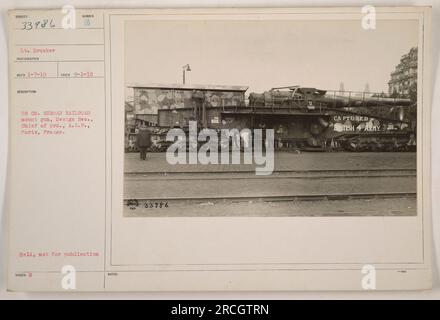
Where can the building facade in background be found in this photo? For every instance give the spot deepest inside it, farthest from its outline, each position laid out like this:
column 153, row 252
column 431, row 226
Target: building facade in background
column 403, row 81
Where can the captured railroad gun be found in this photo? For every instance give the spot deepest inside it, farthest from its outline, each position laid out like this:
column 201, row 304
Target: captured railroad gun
column 306, row 118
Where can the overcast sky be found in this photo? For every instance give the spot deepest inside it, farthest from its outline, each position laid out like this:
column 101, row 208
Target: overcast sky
column 266, row 54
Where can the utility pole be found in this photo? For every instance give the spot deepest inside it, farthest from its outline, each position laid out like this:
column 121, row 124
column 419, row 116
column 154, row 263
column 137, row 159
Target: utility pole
column 185, row 68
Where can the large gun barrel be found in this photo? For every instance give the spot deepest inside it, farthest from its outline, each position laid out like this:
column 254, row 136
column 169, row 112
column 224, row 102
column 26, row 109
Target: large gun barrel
column 352, row 100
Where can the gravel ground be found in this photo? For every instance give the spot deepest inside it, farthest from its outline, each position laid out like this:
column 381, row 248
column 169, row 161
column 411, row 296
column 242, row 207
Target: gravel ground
column 302, row 174
column 163, row 189
column 156, row 162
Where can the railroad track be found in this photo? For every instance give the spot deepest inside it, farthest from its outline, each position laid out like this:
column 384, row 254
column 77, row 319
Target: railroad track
column 280, row 198
column 281, row 174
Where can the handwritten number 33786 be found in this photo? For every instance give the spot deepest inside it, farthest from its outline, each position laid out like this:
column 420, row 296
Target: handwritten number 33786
column 39, row 24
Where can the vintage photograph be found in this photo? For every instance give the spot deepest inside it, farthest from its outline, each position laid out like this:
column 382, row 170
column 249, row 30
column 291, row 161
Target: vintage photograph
column 264, row 118
column 220, row 150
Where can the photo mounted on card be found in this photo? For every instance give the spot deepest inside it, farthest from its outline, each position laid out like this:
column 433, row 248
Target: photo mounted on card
column 220, row 149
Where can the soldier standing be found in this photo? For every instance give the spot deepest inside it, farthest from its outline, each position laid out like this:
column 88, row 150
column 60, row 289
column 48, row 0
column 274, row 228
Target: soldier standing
column 144, row 141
